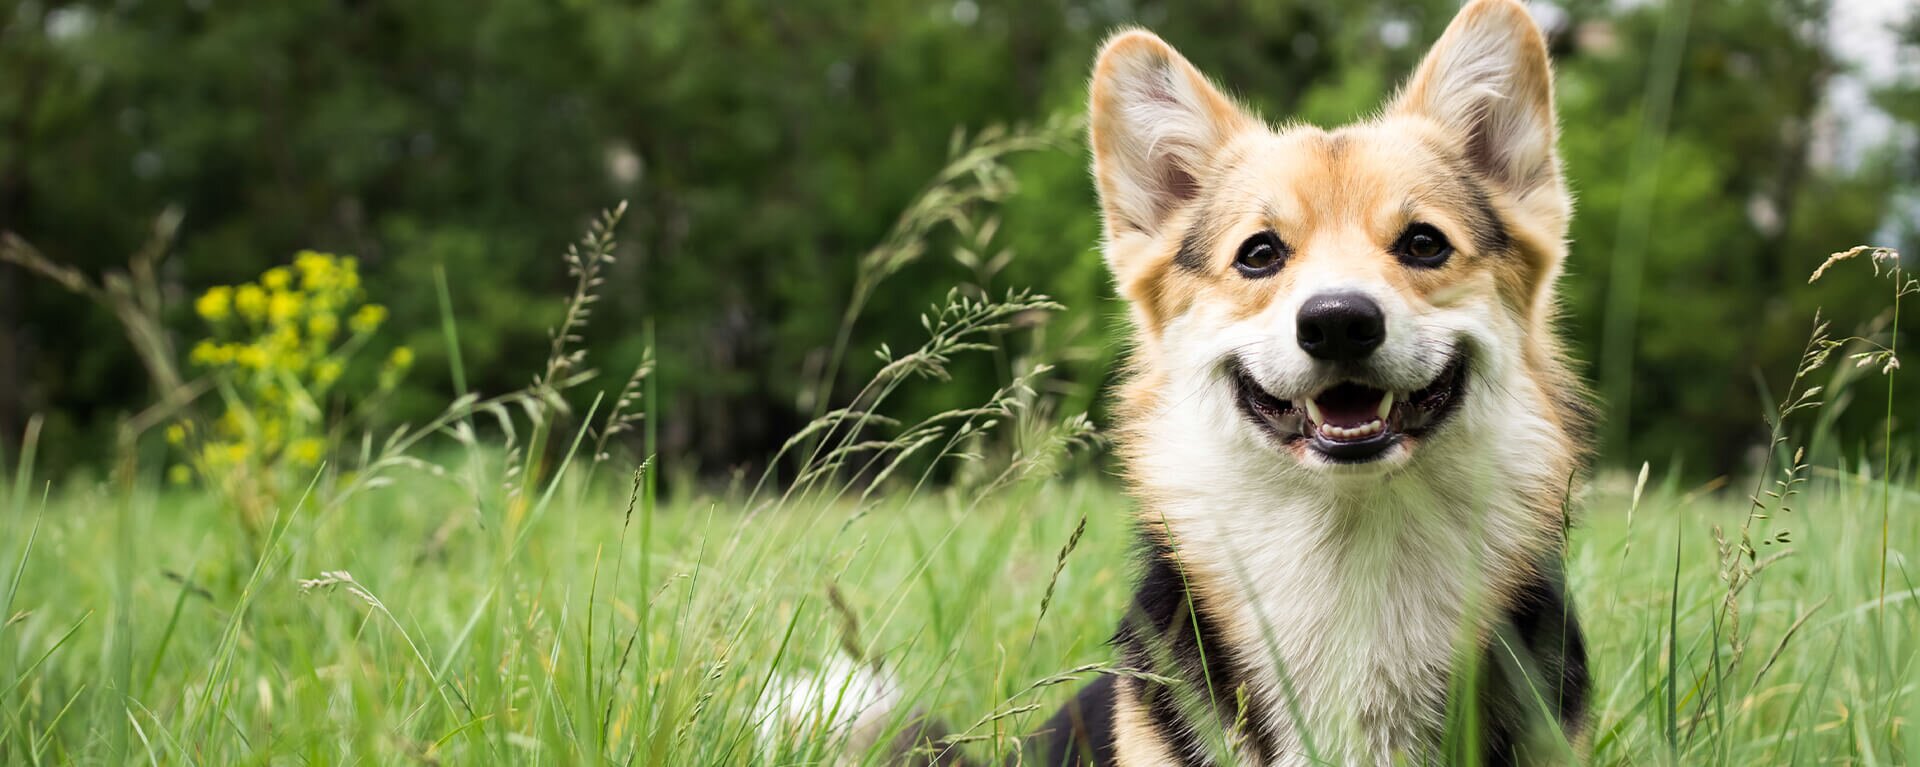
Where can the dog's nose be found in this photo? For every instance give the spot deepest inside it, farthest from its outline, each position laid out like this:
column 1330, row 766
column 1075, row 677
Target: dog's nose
column 1340, row 326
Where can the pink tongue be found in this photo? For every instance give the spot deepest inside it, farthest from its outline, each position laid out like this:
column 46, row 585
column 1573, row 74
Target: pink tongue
column 1349, row 405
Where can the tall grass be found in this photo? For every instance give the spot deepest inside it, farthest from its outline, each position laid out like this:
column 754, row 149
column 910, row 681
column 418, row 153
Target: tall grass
column 501, row 585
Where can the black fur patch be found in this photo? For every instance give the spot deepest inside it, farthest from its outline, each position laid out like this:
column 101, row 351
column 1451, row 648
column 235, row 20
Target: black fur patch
column 1490, row 235
column 1192, row 255
column 1081, row 734
column 1170, row 632
column 1538, row 656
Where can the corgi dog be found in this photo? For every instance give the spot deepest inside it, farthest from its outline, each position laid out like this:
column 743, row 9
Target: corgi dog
column 1349, row 426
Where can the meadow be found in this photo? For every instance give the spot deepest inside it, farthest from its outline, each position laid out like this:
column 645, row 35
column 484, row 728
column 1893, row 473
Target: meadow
column 286, row 582
column 584, row 625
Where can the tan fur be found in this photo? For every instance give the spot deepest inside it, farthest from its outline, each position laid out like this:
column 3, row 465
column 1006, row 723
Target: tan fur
column 1135, row 744
column 1336, row 197
column 1469, row 139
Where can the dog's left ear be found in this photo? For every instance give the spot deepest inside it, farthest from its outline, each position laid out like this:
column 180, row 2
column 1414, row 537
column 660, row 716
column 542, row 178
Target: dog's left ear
column 1489, row 82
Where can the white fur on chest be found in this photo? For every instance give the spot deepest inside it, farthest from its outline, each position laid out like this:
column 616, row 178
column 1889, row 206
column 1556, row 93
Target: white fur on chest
column 1355, row 593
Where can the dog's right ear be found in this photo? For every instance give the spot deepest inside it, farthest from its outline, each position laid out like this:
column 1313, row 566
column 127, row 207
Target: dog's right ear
column 1155, row 123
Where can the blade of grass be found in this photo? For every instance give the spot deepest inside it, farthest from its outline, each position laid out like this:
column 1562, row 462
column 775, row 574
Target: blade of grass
column 28, row 672
column 23, row 471
column 20, row 569
column 1673, row 650
column 166, row 634
column 451, row 330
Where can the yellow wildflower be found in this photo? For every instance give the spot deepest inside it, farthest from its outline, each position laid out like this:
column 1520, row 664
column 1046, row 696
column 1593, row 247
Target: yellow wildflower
column 277, row 278
column 323, row 325
column 250, row 301
column 368, row 319
column 251, row 356
column 226, row 453
column 283, row 306
column 205, row 353
column 291, row 360
column 316, row 270
column 306, row 451
column 233, row 421
column 176, row 434
column 180, row 474
column 216, row 304
column 326, row 372
column 397, row 364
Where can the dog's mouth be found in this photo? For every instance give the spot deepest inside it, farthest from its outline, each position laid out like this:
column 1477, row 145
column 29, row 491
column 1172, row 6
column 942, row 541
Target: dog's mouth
column 1352, row 422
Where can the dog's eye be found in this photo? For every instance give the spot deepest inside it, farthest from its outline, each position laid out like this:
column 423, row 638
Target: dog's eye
column 1261, row 255
column 1423, row 246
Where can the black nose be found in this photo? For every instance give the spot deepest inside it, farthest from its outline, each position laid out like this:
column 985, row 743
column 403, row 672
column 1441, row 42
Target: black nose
column 1340, row 326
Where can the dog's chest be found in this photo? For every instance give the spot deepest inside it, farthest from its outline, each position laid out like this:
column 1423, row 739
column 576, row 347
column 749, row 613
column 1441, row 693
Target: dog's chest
column 1362, row 656
column 1351, row 632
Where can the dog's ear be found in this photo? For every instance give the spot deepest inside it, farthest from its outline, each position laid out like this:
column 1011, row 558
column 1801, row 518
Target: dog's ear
column 1155, row 122
column 1489, row 82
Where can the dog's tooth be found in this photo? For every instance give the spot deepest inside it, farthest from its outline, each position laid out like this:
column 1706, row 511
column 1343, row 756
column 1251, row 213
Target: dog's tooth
column 1386, row 405
column 1313, row 412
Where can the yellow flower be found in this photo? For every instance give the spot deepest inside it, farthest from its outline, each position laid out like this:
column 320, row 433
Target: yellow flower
column 323, row 325
column 290, row 360
column 250, row 301
column 397, row 364
column 277, row 278
column 306, row 451
column 323, row 301
column 176, row 434
column 233, row 421
column 179, row 474
column 226, row 453
column 368, row 319
column 283, row 306
column 251, row 356
column 326, row 372
column 316, row 270
column 216, row 304
column 205, row 353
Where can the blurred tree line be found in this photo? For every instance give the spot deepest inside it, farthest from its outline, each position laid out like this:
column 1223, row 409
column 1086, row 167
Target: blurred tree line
column 764, row 146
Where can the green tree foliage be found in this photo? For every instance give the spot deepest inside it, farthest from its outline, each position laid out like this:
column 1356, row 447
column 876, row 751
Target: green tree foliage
column 765, row 146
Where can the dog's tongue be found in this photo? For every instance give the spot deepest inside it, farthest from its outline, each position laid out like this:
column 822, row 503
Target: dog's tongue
column 1349, row 405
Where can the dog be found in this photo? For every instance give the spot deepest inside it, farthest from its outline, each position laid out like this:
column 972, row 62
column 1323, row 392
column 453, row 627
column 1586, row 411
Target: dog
column 1348, row 423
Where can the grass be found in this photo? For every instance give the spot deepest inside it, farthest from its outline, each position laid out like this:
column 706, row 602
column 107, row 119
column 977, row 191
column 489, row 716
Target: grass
column 144, row 631
column 517, row 600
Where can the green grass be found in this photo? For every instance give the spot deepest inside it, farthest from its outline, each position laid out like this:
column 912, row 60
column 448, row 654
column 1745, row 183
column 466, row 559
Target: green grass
column 144, row 630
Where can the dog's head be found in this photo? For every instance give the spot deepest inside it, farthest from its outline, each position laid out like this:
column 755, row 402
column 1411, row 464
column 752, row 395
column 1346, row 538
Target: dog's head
column 1343, row 296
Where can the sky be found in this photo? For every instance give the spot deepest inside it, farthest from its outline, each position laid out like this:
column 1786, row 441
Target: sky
column 1864, row 33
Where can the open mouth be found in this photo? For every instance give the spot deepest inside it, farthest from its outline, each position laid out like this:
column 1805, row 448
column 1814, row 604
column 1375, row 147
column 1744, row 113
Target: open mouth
column 1352, row 422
